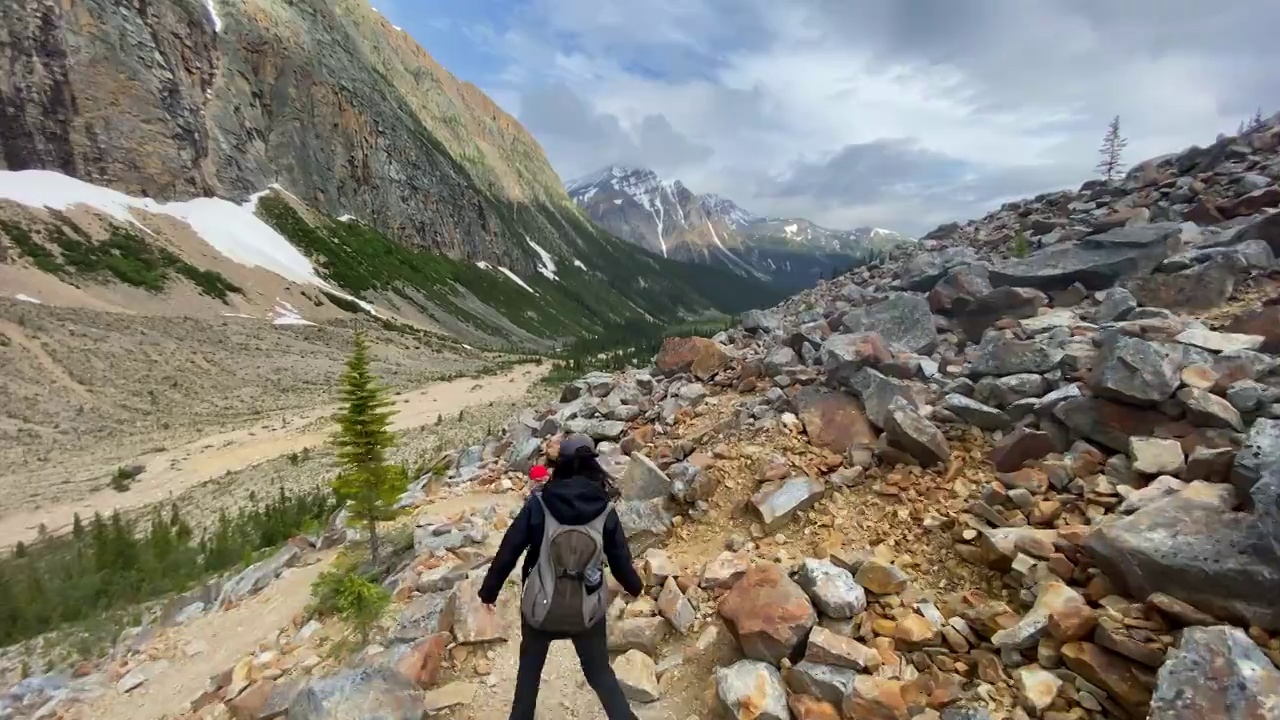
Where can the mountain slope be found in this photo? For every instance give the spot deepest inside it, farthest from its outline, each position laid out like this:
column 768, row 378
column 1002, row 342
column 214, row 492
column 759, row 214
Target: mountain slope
column 668, row 218
column 325, row 99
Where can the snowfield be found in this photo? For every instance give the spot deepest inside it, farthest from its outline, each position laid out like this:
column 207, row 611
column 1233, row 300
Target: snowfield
column 231, row 229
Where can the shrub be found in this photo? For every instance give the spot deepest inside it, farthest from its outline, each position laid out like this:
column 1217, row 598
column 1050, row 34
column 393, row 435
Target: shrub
column 355, row 599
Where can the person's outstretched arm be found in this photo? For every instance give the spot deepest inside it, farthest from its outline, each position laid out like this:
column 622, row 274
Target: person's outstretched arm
column 619, row 555
column 513, row 544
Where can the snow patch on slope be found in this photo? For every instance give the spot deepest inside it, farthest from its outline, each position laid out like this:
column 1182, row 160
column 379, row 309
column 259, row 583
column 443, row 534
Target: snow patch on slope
column 286, row 314
column 231, row 229
column 213, row 13
column 516, row 278
column 27, row 299
column 546, row 263
column 578, row 263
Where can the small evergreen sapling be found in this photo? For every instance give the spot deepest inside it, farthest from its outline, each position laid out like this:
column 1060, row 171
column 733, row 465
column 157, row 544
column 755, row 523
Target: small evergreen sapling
column 366, row 481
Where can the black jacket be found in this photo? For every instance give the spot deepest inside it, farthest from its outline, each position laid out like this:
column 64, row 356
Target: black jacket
column 573, row 501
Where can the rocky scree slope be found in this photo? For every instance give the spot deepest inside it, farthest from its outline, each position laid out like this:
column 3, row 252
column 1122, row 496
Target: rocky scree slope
column 327, row 100
column 667, row 218
column 928, row 489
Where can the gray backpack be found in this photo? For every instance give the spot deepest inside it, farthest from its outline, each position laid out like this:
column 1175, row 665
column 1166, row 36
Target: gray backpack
column 565, row 591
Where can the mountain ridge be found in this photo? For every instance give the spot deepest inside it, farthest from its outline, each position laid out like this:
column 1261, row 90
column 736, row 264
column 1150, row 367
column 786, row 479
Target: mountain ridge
column 328, row 101
column 668, row 218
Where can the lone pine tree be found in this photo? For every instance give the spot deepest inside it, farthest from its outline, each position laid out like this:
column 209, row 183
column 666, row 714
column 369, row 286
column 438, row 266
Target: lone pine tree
column 1112, row 147
column 366, row 481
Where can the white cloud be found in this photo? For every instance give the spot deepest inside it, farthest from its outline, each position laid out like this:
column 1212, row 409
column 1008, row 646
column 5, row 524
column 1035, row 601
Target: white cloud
column 758, row 100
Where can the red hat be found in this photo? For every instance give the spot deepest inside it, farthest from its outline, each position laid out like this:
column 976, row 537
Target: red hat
column 538, row 473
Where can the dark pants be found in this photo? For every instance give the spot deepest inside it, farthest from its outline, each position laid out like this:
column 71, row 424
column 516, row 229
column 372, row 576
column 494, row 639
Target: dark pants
column 593, row 654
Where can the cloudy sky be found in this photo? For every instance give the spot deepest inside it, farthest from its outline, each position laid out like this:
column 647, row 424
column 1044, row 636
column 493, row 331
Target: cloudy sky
column 895, row 113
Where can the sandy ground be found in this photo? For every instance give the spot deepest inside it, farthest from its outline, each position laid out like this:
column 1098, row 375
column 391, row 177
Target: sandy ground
column 174, row 471
column 226, row 637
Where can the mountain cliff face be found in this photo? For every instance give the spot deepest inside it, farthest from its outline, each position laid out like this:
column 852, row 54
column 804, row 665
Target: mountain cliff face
column 666, row 217
column 321, row 98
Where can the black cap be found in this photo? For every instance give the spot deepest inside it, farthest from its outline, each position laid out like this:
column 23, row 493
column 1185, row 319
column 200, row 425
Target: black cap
column 577, row 444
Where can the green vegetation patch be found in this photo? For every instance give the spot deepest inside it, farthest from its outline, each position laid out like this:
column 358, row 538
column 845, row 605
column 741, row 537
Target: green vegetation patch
column 122, row 255
column 109, row 564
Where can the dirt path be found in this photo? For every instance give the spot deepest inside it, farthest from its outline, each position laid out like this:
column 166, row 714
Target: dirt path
column 175, row 470
column 226, row 637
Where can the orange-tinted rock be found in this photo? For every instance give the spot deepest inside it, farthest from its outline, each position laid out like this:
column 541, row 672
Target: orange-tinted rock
column 808, row 707
column 701, row 356
column 1110, row 672
column 1264, row 321
column 873, row 698
column 768, row 612
column 833, row 420
column 1019, row 446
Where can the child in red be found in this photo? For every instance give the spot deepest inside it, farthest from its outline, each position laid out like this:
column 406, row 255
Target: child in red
column 537, row 476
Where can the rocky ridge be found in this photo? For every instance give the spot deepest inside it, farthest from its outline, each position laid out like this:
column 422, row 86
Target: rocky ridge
column 327, row 101
column 667, row 218
column 955, row 486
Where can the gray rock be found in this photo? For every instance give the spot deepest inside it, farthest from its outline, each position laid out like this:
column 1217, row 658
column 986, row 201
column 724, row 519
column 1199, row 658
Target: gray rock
column 1156, row 456
column 1208, row 410
column 843, row 355
column 999, row 353
column 918, row 437
column 760, row 320
column 425, row 615
column 879, row 391
column 643, row 480
column 975, row 413
column 751, row 688
column 1157, row 490
column 926, row 269
column 1009, row 389
column 688, row 482
column 779, row 360
column 646, row 523
column 1116, row 304
column 638, row 676
column 255, row 578
column 519, row 457
column 825, row 682
column 598, row 429
column 1246, row 395
column 1194, row 547
column 1135, row 371
column 832, row 589
column 1219, row 341
column 1096, row 262
column 363, row 693
column 1260, row 454
column 1216, row 672
column 776, row 502
column 966, row 712
column 903, row 320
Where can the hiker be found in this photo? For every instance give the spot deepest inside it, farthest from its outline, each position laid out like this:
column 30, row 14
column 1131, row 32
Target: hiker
column 564, row 593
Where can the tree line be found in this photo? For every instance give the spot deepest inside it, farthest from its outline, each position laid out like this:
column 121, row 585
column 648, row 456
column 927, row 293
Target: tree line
column 110, row 563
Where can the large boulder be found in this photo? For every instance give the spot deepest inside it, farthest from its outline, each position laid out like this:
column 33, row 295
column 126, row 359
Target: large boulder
column 834, row 420
column 975, row 413
column 701, row 356
column 1000, row 303
column 770, row 614
column 924, row 270
column 646, row 523
column 359, row 694
column 752, row 689
column 832, row 589
column 916, row 436
column 1096, row 262
column 878, row 391
column 844, row 354
column 760, row 320
column 255, row 578
column 1260, row 454
column 1112, row 423
column 1203, row 287
column 827, row 682
column 1193, row 546
column 999, row 353
column 1135, row 371
column 903, row 320
column 1264, row 321
column 1216, row 673
column 643, row 480
column 777, row 501
column 961, row 286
